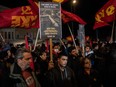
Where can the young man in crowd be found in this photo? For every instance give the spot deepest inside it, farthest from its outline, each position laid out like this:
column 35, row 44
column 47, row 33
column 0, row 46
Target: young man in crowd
column 61, row 75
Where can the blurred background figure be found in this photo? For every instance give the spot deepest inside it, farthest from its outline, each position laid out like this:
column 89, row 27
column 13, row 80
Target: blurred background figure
column 88, row 77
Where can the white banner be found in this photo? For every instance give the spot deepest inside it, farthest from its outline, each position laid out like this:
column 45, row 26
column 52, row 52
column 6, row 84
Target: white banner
column 50, row 20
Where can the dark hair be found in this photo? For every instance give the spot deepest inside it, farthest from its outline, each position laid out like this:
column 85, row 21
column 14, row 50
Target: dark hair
column 41, row 52
column 71, row 48
column 62, row 54
column 20, row 51
column 56, row 44
column 88, row 46
column 82, row 63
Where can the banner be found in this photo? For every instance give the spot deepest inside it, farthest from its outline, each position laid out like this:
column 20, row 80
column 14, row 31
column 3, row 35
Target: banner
column 34, row 5
column 20, row 17
column 50, row 20
column 68, row 16
column 106, row 14
column 81, row 35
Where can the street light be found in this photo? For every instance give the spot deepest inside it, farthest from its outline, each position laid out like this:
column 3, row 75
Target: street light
column 73, row 4
column 74, row 1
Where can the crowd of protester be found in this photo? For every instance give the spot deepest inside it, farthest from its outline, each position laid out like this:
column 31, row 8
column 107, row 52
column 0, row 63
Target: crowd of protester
column 71, row 66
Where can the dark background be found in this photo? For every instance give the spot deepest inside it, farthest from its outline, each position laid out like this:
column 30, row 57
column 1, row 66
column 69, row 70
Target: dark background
column 86, row 9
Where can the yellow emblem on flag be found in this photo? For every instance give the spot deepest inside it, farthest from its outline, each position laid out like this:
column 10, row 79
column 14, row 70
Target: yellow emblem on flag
column 59, row 1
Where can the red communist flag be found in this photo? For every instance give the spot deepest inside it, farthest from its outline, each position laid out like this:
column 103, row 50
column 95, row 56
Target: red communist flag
column 34, row 5
column 106, row 14
column 21, row 17
column 68, row 16
column 100, row 24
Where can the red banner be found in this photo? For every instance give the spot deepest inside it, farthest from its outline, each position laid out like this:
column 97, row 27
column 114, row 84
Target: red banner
column 68, row 16
column 23, row 17
column 28, row 17
column 106, row 14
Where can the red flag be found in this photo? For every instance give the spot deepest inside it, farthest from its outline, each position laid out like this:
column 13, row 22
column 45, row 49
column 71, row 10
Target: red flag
column 106, row 14
column 22, row 17
column 47, row 45
column 34, row 5
column 64, row 1
column 68, row 16
column 100, row 24
column 32, row 64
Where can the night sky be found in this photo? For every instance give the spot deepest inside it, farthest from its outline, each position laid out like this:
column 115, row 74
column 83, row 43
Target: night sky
column 86, row 9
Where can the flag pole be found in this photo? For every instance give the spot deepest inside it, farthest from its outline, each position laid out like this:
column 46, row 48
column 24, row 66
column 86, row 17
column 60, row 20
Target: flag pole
column 115, row 33
column 51, row 55
column 62, row 43
column 113, row 30
column 115, row 27
column 112, row 33
column 72, row 38
column 36, row 39
column 97, row 37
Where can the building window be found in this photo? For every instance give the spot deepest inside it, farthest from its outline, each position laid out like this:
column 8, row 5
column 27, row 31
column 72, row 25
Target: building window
column 12, row 35
column 5, row 35
column 9, row 37
column 18, row 36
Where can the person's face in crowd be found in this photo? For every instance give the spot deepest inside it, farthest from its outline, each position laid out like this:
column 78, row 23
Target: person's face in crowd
column 87, row 49
column 87, row 64
column 24, row 63
column 44, row 56
column 97, row 47
column 73, row 52
column 78, row 47
column 9, row 53
column 56, row 49
column 63, row 61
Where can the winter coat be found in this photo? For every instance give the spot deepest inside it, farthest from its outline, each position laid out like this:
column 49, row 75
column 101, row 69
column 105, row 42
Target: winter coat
column 55, row 78
column 17, row 78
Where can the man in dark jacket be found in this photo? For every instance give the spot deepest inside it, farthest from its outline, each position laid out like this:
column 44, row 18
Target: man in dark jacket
column 20, row 72
column 61, row 75
column 74, row 60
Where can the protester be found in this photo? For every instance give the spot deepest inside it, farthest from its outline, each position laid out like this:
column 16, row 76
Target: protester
column 88, row 77
column 74, row 60
column 4, row 73
column 20, row 72
column 61, row 75
column 41, row 67
column 89, row 53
